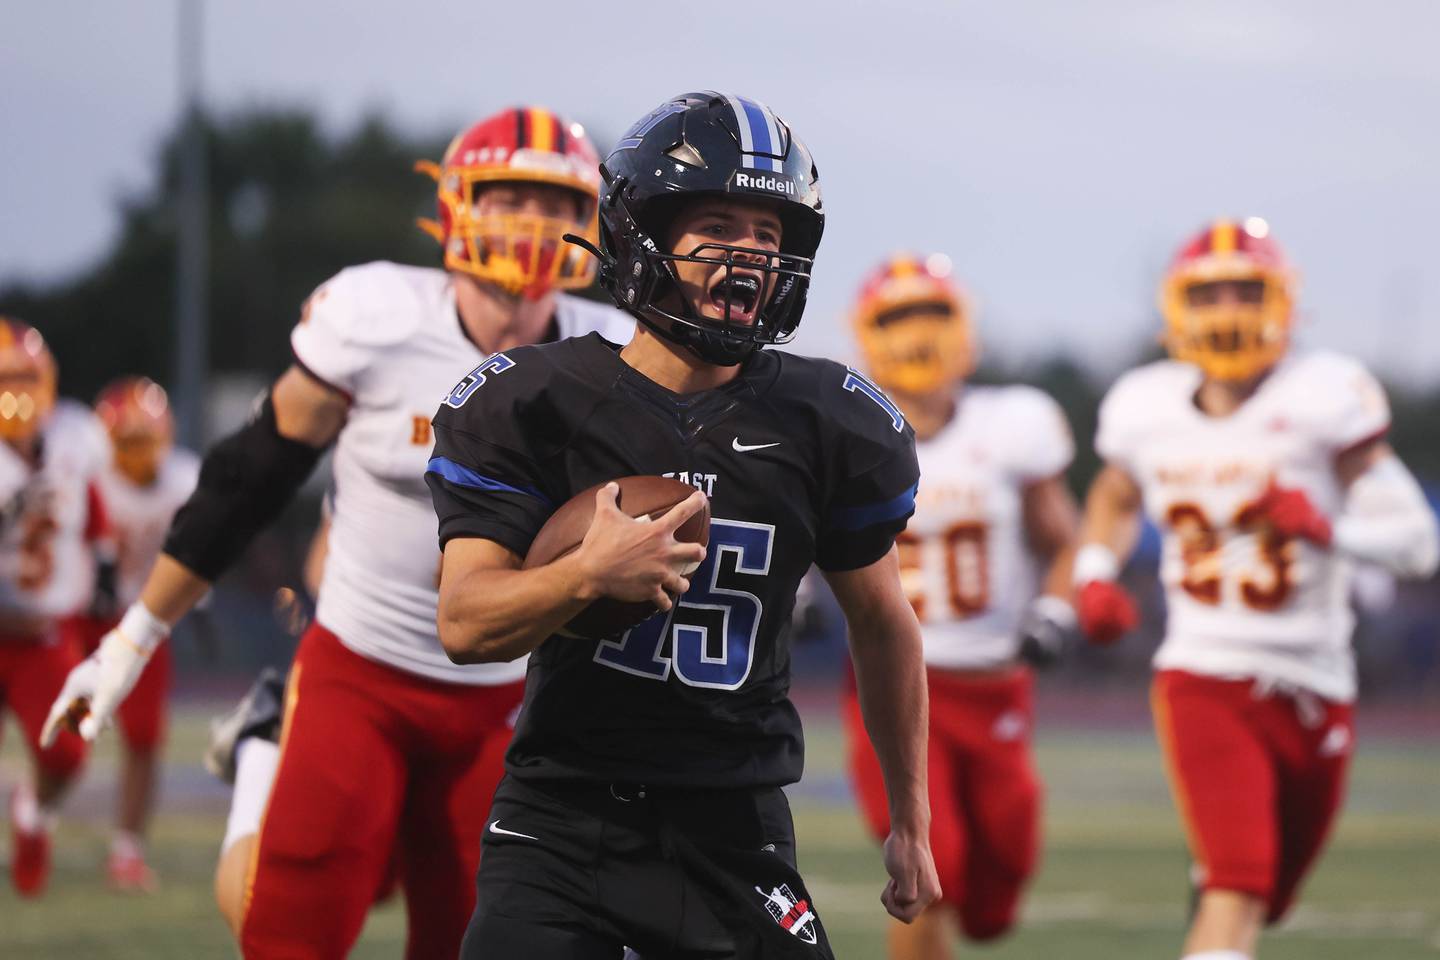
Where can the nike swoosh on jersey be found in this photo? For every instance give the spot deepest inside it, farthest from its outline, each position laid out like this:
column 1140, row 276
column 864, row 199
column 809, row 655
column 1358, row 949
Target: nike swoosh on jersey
column 747, row 447
column 496, row 828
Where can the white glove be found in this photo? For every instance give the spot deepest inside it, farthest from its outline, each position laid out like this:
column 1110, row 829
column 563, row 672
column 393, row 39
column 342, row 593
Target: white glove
column 97, row 686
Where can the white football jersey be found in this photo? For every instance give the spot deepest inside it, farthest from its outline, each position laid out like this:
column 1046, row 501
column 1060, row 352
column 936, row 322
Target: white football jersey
column 964, row 559
column 140, row 516
column 1242, row 602
column 47, row 568
column 389, row 336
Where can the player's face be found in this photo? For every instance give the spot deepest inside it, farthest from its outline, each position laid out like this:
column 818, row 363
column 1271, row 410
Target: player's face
column 530, row 199
column 1225, row 293
column 703, row 230
column 138, row 455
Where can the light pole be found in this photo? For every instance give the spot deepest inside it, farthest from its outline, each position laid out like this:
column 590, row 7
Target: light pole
column 192, row 261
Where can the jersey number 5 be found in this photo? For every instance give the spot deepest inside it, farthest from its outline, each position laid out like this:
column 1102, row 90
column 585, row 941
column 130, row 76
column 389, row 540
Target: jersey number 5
column 494, row 364
column 699, row 659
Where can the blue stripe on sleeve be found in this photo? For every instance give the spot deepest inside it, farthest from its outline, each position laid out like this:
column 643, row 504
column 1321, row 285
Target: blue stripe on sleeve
column 858, row 518
column 463, row 476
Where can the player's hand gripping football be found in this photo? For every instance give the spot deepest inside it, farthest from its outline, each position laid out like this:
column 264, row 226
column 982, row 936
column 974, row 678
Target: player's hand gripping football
column 913, row 883
column 96, row 687
column 1291, row 514
column 638, row 560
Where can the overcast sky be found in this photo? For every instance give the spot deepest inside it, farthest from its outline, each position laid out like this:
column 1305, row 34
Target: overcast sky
column 1058, row 151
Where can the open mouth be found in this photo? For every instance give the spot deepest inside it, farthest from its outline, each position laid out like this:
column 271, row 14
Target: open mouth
column 740, row 293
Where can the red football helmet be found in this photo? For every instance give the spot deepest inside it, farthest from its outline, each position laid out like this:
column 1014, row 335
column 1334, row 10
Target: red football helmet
column 27, row 380
column 1242, row 338
column 913, row 323
column 520, row 253
column 137, row 413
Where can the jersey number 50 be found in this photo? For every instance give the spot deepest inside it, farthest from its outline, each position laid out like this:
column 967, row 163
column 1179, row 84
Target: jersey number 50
column 967, row 573
column 699, row 660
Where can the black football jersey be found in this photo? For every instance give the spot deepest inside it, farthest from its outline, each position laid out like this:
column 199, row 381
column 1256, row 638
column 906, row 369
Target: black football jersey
column 804, row 461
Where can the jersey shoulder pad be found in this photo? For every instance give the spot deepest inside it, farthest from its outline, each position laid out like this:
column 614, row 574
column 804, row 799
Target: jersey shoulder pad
column 516, row 399
column 182, row 468
column 1037, row 434
column 1138, row 404
column 76, row 427
column 378, row 304
column 578, row 316
column 352, row 319
column 864, row 427
column 849, row 400
column 1337, row 400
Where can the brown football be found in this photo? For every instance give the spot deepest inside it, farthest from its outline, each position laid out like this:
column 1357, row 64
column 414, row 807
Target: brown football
column 648, row 497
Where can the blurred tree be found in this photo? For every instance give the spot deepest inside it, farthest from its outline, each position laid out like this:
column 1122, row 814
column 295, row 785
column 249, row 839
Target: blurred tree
column 289, row 206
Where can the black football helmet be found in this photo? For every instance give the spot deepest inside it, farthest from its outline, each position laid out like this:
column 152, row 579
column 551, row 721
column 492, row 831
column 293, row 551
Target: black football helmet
column 698, row 144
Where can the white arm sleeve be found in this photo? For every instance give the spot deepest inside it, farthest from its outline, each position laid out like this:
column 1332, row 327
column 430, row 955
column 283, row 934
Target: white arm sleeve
column 1386, row 521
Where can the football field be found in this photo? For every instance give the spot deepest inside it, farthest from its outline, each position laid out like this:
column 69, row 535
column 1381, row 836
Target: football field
column 1112, row 884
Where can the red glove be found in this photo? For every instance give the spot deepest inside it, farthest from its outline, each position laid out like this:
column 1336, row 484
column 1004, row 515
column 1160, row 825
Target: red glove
column 1290, row 514
column 1106, row 611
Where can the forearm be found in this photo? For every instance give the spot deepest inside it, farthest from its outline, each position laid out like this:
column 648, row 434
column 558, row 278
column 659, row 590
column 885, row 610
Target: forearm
column 172, row 589
column 1387, row 521
column 1112, row 521
column 499, row 614
column 890, row 675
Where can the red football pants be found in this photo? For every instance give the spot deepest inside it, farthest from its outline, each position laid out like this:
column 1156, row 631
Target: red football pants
column 374, row 763
column 984, row 792
column 31, row 675
column 142, row 717
column 1258, row 779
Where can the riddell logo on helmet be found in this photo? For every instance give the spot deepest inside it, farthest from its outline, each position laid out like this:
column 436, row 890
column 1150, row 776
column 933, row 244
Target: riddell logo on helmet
column 769, row 182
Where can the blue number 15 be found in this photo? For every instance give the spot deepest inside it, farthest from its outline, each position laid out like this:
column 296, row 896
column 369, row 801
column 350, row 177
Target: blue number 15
column 638, row 650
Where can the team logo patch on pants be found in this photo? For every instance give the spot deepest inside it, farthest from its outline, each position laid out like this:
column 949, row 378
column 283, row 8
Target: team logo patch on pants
column 793, row 915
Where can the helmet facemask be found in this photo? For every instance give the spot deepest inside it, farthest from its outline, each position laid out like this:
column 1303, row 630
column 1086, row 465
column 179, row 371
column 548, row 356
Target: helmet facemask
column 522, row 254
column 916, row 346
column 651, row 288
column 136, row 413
column 1238, row 338
column 27, row 381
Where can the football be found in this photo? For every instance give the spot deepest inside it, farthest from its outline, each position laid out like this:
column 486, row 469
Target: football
column 640, row 497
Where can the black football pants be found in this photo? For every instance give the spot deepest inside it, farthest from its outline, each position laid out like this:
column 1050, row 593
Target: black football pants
column 577, row 871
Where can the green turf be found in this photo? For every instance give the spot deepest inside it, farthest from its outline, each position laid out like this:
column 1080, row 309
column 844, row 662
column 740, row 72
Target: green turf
column 1112, row 884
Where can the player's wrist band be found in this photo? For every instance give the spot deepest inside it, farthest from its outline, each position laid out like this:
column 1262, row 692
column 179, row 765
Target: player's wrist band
column 1095, row 561
column 142, row 629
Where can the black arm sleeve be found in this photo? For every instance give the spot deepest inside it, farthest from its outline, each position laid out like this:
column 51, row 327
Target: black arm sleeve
column 245, row 481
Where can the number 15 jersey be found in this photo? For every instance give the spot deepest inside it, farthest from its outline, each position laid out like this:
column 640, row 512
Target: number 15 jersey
column 1242, row 601
column 803, row 460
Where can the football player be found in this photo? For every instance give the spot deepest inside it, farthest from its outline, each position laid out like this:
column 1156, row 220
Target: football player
column 1269, row 476
column 643, row 800
column 385, row 742
column 51, row 455
column 143, row 485
column 991, row 513
column 145, row 482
